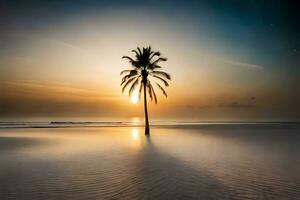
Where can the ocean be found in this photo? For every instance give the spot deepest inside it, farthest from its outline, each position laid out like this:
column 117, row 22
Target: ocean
column 114, row 160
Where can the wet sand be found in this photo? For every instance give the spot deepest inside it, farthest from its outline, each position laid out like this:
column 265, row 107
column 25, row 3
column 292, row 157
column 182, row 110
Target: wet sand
column 176, row 162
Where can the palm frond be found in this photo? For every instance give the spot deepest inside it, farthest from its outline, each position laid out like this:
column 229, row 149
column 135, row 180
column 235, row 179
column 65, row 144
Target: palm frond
column 162, row 89
column 127, row 79
column 124, row 71
column 158, row 60
column 137, row 54
column 132, row 61
column 139, row 51
column 153, row 67
column 161, row 73
column 153, row 92
column 133, row 86
column 157, row 53
column 131, row 71
column 140, row 90
column 131, row 74
column 149, row 90
column 129, row 58
column 161, row 79
column 128, row 82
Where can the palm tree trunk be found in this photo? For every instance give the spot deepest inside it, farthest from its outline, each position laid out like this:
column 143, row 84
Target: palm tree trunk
column 147, row 129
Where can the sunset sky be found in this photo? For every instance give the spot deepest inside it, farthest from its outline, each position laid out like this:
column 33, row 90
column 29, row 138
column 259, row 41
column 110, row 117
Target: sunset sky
column 238, row 60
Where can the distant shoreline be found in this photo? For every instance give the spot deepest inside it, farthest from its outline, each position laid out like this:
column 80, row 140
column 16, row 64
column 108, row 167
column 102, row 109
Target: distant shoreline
column 90, row 124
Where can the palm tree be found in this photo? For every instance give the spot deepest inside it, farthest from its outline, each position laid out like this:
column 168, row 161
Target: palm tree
column 143, row 75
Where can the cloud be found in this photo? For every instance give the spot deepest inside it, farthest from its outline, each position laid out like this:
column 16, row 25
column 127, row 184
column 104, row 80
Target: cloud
column 235, row 104
column 189, row 106
column 242, row 64
column 197, row 106
column 232, row 62
column 55, row 90
column 25, row 98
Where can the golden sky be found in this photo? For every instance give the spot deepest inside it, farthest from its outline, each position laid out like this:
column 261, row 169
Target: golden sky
column 70, row 68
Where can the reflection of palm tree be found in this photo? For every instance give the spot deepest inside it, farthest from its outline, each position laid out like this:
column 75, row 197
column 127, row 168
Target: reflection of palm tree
column 145, row 65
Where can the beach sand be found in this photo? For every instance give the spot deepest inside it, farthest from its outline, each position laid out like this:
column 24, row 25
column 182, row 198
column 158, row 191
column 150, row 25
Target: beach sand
column 176, row 162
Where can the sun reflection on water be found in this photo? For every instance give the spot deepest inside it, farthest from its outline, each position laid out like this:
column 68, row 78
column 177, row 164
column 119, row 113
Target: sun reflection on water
column 135, row 135
column 135, row 121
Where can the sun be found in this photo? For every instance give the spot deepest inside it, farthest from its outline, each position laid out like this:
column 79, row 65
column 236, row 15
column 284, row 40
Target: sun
column 134, row 97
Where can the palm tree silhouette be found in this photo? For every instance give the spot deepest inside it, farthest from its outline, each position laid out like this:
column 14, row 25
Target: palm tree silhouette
column 143, row 74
